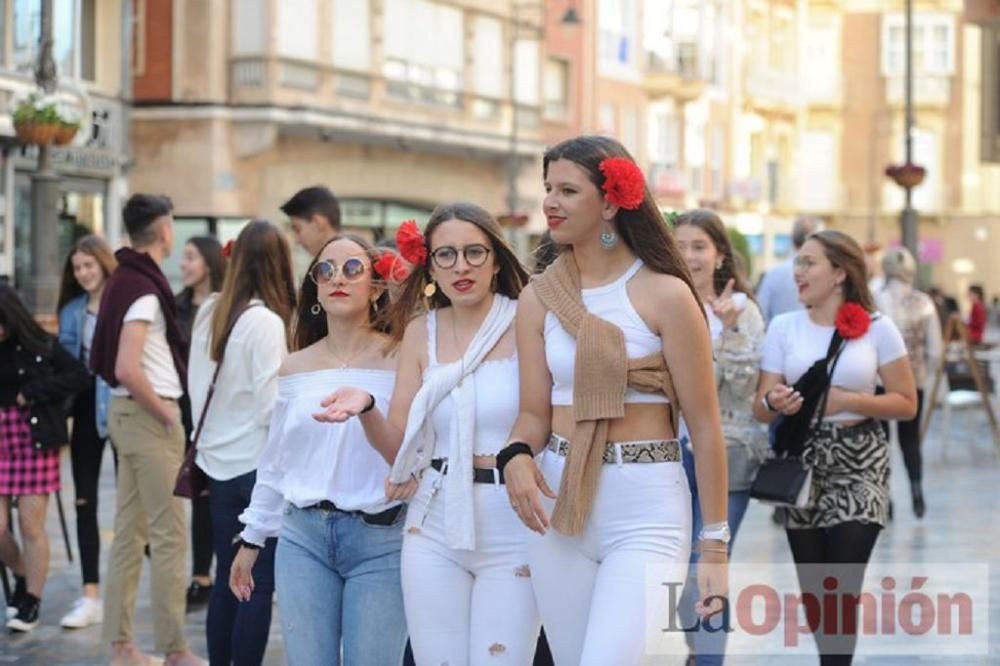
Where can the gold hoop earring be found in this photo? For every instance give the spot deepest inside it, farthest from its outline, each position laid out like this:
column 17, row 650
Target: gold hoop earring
column 430, row 289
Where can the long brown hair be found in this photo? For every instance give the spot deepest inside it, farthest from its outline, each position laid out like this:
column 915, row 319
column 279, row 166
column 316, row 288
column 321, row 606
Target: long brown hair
column 210, row 250
column 309, row 327
column 260, row 267
column 844, row 252
column 510, row 279
column 732, row 268
column 96, row 247
column 643, row 230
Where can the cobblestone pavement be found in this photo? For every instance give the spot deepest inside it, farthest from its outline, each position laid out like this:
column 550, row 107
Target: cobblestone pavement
column 960, row 527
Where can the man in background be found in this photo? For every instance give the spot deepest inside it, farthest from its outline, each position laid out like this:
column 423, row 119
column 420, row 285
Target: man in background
column 777, row 292
column 314, row 214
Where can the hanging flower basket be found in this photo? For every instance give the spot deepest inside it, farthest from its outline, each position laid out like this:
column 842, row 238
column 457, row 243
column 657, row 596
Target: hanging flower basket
column 38, row 122
column 513, row 220
column 65, row 133
column 907, row 175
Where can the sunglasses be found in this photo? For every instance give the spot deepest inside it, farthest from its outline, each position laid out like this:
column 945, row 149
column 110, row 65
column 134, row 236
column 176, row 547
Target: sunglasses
column 325, row 272
column 447, row 256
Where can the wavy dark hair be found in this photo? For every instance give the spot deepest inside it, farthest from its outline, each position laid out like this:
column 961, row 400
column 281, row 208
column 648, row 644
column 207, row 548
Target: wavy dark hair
column 643, row 230
column 96, row 247
column 261, row 268
column 210, row 250
column 310, row 328
column 732, row 265
column 510, row 279
column 18, row 323
column 844, row 252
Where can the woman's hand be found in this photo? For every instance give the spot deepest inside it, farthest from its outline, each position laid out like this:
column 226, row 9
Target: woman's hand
column 784, row 399
column 713, row 581
column 524, row 482
column 241, row 573
column 725, row 307
column 401, row 492
column 343, row 404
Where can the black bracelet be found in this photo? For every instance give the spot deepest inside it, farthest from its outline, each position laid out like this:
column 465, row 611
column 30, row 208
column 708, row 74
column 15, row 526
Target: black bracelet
column 508, row 453
column 240, row 543
column 370, row 406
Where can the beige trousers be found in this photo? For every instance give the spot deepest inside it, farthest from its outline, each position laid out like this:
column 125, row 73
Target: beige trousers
column 146, row 512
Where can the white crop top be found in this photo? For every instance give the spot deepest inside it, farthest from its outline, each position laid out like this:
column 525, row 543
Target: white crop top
column 497, row 396
column 611, row 303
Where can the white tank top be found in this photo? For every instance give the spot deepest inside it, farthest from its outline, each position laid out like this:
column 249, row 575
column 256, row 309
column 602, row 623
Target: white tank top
column 497, row 395
column 611, row 303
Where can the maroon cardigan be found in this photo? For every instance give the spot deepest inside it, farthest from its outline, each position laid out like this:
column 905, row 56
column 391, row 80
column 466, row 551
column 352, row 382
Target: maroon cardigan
column 137, row 275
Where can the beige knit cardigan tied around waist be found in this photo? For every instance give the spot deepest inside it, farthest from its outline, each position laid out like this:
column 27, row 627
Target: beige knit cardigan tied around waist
column 602, row 372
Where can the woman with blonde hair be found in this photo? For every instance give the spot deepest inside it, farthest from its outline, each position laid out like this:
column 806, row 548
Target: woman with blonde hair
column 88, row 265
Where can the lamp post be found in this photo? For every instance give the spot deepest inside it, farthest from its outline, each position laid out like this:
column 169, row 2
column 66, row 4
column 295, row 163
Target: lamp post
column 908, row 220
column 43, row 281
column 570, row 18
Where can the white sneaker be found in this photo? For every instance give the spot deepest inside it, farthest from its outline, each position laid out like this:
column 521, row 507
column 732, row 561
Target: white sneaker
column 11, row 612
column 85, row 612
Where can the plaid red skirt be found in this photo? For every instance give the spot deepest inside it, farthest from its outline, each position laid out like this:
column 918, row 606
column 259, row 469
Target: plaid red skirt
column 24, row 470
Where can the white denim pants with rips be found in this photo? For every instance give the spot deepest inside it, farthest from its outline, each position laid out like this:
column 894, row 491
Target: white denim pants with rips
column 601, row 594
column 474, row 607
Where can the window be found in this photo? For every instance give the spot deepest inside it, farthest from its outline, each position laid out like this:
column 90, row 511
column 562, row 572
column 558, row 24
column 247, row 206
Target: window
column 990, row 105
column 664, row 136
column 424, row 51
column 138, row 64
column 249, row 27
column 527, row 53
column 718, row 160
column 617, row 36
column 487, row 72
column 351, row 37
column 630, row 129
column 556, row 89
column 933, row 44
column 607, row 119
column 297, row 31
column 73, row 33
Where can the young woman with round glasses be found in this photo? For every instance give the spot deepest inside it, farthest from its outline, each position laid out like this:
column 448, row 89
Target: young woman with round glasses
column 466, row 581
column 320, row 487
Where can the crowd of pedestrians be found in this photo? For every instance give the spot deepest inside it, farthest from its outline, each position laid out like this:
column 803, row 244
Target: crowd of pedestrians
column 431, row 457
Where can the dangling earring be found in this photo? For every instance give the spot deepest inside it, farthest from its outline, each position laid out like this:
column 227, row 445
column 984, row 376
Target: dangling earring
column 316, row 309
column 430, row 289
column 718, row 266
column 609, row 239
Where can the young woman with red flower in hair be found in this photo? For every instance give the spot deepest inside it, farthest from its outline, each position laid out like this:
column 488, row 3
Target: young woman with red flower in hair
column 613, row 345
column 466, row 583
column 846, row 449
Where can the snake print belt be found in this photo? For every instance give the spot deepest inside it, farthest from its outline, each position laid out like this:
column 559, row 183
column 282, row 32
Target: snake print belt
column 645, row 451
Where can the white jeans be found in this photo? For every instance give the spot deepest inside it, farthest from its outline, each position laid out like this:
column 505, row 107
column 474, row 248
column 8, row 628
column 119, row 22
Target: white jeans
column 602, row 594
column 468, row 606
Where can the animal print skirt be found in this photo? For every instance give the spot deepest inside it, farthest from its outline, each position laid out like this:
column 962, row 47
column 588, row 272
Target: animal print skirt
column 850, row 481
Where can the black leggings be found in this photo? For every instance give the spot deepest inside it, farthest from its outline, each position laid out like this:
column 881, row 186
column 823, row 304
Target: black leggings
column 87, row 450
column 909, row 439
column 846, row 543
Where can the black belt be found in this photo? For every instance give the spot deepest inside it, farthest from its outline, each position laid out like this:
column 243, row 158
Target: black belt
column 479, row 475
column 387, row 517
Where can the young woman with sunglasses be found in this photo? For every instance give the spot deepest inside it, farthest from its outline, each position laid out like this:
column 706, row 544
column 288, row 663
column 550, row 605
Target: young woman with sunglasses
column 466, row 583
column 320, row 487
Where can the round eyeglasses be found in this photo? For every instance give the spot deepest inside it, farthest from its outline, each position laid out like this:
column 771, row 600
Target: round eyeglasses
column 447, row 256
column 324, row 272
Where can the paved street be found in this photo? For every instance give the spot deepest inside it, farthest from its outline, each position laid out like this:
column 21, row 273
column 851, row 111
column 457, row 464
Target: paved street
column 959, row 528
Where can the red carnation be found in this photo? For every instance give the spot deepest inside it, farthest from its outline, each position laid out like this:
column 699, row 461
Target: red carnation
column 852, row 321
column 391, row 267
column 411, row 244
column 624, row 184
column 227, row 249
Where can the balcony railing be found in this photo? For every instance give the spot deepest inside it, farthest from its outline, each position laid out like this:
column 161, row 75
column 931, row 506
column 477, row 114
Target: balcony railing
column 933, row 90
column 684, row 64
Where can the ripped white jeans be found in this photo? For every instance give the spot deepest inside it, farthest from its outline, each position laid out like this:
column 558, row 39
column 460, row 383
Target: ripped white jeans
column 474, row 607
column 601, row 593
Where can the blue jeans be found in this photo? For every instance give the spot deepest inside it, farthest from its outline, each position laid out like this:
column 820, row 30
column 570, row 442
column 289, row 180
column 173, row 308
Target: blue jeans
column 708, row 647
column 237, row 632
column 338, row 582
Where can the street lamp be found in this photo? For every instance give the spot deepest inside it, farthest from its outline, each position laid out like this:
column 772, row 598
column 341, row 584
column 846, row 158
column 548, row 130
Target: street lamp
column 569, row 19
column 908, row 221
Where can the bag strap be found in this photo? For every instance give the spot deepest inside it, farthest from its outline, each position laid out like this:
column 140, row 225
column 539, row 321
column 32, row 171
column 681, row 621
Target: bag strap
column 215, row 377
column 837, row 345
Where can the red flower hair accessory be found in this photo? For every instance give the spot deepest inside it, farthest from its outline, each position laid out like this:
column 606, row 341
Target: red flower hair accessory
column 391, row 268
column 852, row 321
column 624, row 185
column 227, row 249
column 411, row 243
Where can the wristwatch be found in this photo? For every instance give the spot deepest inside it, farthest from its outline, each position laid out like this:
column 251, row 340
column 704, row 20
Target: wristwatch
column 767, row 404
column 715, row 532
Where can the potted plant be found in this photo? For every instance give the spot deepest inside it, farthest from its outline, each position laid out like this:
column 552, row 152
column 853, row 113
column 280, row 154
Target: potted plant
column 67, row 130
column 39, row 122
column 907, row 175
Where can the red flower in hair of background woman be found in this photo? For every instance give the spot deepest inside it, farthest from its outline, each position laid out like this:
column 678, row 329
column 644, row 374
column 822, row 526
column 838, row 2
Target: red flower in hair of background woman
column 624, row 184
column 411, row 244
column 391, row 267
column 227, row 249
column 852, row 321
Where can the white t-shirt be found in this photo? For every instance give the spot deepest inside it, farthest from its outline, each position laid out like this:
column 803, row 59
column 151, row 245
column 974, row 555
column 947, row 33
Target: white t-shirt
column 157, row 361
column 793, row 343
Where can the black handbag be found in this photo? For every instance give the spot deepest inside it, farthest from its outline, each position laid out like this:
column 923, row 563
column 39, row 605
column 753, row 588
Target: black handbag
column 785, row 480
